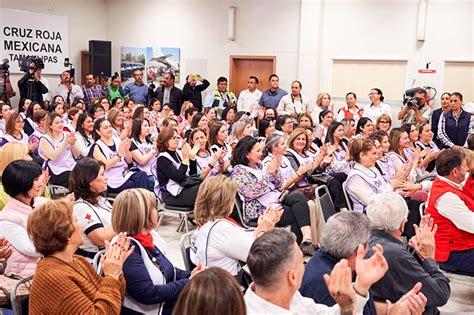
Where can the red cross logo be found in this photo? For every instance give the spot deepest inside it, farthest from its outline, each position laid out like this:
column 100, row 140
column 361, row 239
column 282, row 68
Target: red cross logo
column 88, row 216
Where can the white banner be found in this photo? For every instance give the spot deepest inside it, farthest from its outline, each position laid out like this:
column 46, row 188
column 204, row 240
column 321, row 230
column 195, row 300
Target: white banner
column 26, row 33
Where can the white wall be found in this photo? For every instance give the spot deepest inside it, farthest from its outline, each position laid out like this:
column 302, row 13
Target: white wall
column 199, row 28
column 387, row 29
column 86, row 22
column 305, row 35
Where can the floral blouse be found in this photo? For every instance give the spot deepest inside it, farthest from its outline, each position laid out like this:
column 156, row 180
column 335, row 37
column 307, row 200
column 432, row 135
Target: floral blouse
column 250, row 188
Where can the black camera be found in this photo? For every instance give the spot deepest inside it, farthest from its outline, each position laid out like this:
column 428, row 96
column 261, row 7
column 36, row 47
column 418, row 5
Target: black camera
column 414, row 102
column 5, row 66
column 30, row 63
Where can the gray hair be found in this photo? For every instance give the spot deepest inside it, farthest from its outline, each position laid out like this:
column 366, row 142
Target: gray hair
column 343, row 233
column 270, row 256
column 387, row 211
column 271, row 141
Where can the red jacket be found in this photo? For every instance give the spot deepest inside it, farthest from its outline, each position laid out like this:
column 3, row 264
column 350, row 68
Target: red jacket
column 349, row 115
column 448, row 237
column 469, row 186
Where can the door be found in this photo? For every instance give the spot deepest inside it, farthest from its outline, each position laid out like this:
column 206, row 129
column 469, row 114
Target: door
column 242, row 67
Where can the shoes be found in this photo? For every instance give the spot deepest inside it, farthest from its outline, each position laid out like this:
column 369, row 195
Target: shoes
column 308, row 248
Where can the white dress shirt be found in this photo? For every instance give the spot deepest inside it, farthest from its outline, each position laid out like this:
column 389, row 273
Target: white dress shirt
column 289, row 104
column 299, row 305
column 453, row 208
column 247, row 99
column 63, row 91
column 373, row 112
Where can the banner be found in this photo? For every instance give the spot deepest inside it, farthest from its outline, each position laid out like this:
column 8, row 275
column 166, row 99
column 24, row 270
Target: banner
column 26, row 34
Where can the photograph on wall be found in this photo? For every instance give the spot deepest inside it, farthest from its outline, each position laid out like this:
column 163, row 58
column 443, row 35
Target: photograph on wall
column 131, row 58
column 161, row 60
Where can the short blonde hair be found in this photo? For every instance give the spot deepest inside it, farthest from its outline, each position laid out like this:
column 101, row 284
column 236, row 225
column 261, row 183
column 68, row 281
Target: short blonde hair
column 49, row 121
column 12, row 151
column 320, row 97
column 295, row 134
column 215, row 199
column 132, row 210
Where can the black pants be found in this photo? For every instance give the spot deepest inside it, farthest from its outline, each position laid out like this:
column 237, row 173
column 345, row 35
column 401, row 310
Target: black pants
column 413, row 217
column 60, row 179
column 186, row 198
column 460, row 262
column 139, row 179
column 296, row 213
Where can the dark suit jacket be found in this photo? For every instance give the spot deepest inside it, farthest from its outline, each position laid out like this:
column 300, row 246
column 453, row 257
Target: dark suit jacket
column 404, row 271
column 314, row 286
column 176, row 98
column 434, row 126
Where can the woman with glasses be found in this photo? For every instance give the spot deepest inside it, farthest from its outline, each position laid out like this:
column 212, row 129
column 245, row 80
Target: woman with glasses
column 383, row 122
column 174, row 168
column 377, row 107
column 14, row 131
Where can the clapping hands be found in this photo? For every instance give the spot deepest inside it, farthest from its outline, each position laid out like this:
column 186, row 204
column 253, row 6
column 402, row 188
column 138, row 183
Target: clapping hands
column 423, row 242
column 115, row 256
column 369, row 270
column 339, row 285
column 412, row 303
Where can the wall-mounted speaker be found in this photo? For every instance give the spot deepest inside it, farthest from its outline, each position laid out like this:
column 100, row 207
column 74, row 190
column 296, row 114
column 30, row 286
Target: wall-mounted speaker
column 100, row 58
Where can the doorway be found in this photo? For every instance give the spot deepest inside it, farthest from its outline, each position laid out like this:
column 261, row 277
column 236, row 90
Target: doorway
column 241, row 67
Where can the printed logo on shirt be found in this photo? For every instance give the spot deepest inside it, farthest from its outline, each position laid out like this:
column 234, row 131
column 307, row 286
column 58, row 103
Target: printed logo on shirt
column 88, row 217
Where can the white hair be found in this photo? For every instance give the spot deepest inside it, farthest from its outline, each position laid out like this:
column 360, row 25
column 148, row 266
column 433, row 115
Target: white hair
column 387, row 211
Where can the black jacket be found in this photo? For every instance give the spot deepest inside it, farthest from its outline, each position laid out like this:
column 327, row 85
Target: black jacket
column 404, row 271
column 193, row 94
column 31, row 89
column 176, row 98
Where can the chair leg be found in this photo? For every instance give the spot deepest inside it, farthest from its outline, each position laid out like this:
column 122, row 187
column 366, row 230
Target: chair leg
column 186, row 222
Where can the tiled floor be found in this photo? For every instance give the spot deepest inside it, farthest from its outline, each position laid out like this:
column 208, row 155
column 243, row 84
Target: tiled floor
column 461, row 301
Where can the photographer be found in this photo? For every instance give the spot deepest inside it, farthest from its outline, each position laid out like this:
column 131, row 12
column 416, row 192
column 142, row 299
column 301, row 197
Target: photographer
column 30, row 85
column 67, row 89
column 416, row 111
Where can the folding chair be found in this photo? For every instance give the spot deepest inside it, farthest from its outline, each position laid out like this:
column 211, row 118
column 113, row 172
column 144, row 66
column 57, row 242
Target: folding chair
column 20, row 302
column 185, row 246
column 346, row 196
column 325, row 201
column 240, row 212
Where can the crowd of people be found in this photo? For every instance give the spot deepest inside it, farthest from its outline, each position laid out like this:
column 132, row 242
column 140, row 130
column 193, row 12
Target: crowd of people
column 261, row 153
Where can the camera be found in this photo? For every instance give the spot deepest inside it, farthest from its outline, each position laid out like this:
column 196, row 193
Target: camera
column 414, row 102
column 28, row 63
column 5, row 66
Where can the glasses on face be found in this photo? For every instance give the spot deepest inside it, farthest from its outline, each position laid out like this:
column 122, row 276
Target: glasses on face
column 288, row 123
column 373, row 93
column 384, row 122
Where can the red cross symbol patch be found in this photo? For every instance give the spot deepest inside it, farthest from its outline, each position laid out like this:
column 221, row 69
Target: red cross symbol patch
column 88, row 216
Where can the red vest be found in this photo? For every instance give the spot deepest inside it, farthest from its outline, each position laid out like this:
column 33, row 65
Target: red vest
column 469, row 187
column 448, row 237
column 349, row 115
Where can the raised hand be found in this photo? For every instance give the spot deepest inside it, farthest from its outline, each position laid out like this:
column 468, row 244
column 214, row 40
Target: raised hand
column 413, row 303
column 185, row 149
column 369, row 270
column 339, row 285
column 423, row 242
column 193, row 152
column 70, row 138
column 196, row 270
column 261, row 112
column 5, row 248
column 269, row 218
column 115, row 256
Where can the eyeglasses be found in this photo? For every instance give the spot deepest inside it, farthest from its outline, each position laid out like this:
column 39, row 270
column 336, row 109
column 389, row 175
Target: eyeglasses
column 373, row 93
column 384, row 122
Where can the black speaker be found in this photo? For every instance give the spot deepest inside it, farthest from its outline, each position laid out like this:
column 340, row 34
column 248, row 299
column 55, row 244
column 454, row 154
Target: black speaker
column 100, row 58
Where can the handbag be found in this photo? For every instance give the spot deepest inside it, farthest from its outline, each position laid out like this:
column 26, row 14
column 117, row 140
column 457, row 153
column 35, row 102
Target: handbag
column 320, row 179
column 308, row 191
column 191, row 181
